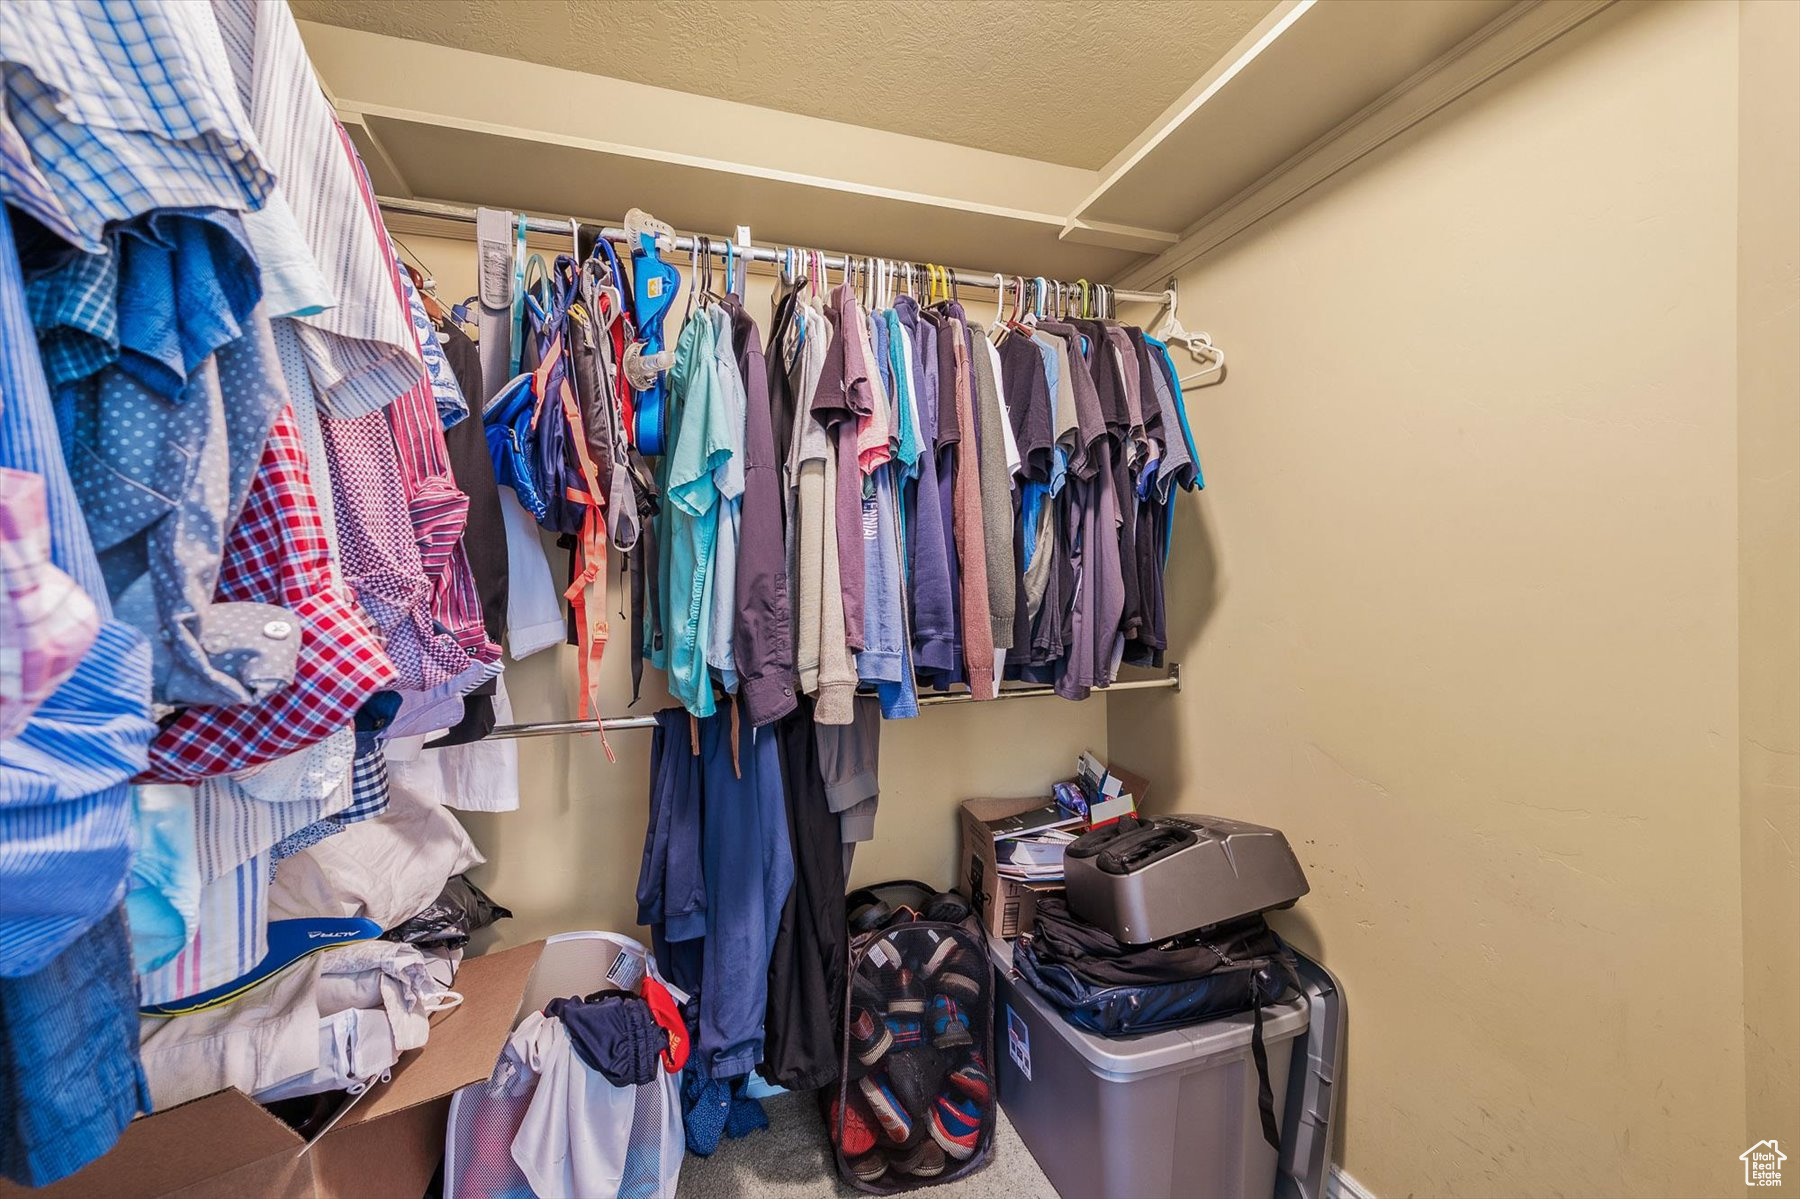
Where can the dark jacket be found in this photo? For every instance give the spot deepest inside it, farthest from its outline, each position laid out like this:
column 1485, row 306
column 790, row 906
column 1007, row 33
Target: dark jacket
column 762, row 641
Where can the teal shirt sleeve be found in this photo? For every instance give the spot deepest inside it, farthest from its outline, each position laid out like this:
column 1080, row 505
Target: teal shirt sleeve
column 703, row 436
column 908, row 448
column 1187, row 435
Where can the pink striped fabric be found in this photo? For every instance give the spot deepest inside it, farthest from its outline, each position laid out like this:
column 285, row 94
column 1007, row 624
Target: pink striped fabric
column 438, row 508
column 47, row 622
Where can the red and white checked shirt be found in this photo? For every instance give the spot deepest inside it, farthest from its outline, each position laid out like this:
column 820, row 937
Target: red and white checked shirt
column 276, row 554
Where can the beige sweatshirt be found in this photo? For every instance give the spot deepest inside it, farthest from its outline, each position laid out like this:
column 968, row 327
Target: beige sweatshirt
column 822, row 657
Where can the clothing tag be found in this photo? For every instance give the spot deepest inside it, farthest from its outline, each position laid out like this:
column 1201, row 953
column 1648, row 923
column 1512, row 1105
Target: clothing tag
column 884, row 954
column 626, row 971
column 653, row 286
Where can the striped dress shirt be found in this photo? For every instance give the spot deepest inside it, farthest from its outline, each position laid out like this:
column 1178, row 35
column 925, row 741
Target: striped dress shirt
column 381, row 550
column 438, row 508
column 65, row 808
column 237, row 830
column 360, row 351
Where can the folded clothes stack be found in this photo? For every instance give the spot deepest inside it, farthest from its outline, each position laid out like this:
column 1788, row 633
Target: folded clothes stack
column 366, row 932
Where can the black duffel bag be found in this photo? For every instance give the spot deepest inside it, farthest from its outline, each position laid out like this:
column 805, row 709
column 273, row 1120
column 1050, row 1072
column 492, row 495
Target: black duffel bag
column 1118, row 990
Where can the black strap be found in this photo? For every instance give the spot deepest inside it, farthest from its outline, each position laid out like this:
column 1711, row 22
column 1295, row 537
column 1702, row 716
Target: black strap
column 1265, row 1095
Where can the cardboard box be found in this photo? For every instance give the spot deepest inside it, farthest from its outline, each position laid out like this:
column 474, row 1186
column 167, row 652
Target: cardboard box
column 1132, row 788
column 1004, row 905
column 1112, row 791
column 388, row 1143
column 1028, row 897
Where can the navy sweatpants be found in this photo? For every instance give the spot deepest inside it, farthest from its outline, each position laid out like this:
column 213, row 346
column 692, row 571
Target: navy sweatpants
column 725, row 833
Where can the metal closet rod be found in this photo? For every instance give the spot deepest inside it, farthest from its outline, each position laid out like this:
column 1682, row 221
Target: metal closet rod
column 684, row 243
column 556, row 728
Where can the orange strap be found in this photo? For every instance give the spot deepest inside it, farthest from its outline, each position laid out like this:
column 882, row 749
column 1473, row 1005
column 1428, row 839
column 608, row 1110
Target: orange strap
column 540, row 380
column 593, row 629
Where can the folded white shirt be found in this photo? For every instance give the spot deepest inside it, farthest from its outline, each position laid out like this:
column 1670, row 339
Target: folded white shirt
column 289, row 1037
column 388, row 869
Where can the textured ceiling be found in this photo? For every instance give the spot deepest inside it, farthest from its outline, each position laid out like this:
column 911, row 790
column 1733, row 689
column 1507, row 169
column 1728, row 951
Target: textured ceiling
column 1064, row 81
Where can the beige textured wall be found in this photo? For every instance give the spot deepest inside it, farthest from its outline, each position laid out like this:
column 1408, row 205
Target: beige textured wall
column 1769, row 560
column 568, row 859
column 1459, row 613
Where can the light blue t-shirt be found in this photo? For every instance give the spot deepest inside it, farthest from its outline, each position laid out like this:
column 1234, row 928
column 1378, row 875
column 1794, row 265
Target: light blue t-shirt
column 719, row 603
column 885, row 659
column 700, row 420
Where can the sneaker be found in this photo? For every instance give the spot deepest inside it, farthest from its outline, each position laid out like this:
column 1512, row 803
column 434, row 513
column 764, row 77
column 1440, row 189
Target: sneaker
column 855, row 1131
column 907, row 995
column 870, row 1166
column 956, row 1126
column 947, row 951
column 949, row 1027
column 917, row 1075
column 905, row 1031
column 869, row 1037
column 866, row 989
column 889, row 1111
column 965, row 987
column 924, row 1160
column 974, row 1082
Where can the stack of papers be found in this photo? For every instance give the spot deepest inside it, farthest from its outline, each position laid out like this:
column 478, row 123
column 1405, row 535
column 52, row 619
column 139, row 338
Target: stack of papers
column 1033, row 857
column 1046, row 816
column 1029, row 846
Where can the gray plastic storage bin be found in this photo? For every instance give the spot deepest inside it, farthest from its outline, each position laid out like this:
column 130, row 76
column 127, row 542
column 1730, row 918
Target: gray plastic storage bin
column 1168, row 1115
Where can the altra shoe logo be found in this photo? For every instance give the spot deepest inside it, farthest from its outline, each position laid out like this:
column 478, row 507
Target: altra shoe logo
column 1762, row 1164
column 313, row 935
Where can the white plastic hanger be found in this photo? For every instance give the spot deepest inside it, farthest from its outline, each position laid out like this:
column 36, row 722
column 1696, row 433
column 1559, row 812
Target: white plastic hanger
column 1200, row 345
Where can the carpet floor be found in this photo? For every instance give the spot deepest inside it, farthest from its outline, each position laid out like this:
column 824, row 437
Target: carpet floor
column 792, row 1160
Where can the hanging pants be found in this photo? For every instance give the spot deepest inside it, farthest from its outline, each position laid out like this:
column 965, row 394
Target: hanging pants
column 746, row 870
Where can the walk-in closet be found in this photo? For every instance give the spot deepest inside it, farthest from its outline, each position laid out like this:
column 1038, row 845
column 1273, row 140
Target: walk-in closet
column 773, row 599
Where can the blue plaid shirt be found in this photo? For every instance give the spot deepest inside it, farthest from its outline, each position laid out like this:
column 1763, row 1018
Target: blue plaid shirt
column 117, row 107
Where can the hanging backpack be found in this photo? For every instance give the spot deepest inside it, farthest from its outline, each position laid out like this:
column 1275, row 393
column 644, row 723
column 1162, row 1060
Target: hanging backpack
column 508, row 420
column 555, row 464
column 914, row 1105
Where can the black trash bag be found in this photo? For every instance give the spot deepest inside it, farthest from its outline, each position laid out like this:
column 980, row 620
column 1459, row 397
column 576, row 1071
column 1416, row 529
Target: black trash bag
column 460, row 908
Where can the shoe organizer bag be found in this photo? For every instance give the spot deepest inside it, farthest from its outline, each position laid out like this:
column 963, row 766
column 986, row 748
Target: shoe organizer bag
column 914, row 1104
